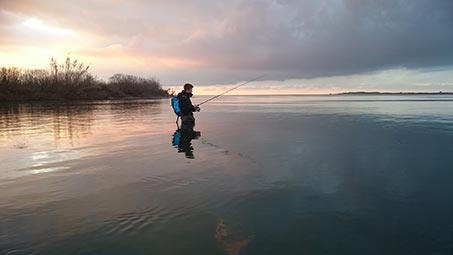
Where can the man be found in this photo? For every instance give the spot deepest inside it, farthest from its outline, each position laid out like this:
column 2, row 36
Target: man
column 187, row 108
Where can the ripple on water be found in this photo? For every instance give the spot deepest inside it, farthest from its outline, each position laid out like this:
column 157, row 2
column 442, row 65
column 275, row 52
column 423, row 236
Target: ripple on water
column 132, row 223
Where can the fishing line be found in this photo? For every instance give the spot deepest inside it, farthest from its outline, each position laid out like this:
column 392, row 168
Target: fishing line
column 223, row 93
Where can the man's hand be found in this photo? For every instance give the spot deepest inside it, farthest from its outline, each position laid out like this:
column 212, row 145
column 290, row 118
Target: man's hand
column 197, row 108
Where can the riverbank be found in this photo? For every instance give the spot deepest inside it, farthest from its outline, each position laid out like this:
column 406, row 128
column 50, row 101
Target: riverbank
column 92, row 95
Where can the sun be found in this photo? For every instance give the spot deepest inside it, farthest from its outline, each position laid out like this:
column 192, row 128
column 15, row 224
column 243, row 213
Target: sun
column 39, row 26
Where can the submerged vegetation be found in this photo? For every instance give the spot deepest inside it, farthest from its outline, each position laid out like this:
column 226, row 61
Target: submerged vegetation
column 72, row 81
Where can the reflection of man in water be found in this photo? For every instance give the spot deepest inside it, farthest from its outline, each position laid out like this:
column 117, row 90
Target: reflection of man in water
column 182, row 139
column 187, row 108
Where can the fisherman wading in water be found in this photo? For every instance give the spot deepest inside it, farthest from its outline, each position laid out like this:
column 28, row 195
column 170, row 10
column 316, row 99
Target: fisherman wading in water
column 187, row 108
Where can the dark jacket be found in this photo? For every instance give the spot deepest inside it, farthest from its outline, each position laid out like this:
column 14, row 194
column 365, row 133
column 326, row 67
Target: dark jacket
column 185, row 104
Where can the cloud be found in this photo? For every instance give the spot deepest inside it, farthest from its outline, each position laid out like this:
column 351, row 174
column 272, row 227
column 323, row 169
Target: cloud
column 226, row 41
column 307, row 39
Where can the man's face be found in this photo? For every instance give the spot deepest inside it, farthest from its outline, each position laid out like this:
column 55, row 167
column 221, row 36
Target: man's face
column 189, row 90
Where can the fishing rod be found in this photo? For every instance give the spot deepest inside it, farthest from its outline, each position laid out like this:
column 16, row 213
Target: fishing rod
column 223, row 93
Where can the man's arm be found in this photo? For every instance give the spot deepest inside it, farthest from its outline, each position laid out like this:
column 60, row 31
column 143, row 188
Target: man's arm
column 186, row 106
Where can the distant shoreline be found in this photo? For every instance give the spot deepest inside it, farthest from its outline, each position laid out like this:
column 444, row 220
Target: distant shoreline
column 391, row 93
column 344, row 94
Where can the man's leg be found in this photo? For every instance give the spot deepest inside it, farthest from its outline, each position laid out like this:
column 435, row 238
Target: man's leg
column 188, row 120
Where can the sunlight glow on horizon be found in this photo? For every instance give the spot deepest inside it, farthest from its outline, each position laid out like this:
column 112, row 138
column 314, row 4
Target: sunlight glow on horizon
column 46, row 41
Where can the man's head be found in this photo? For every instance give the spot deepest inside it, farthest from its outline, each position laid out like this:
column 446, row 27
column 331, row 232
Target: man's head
column 188, row 87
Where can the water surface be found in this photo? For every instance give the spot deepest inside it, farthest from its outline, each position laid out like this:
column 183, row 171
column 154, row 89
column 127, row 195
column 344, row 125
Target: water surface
column 268, row 175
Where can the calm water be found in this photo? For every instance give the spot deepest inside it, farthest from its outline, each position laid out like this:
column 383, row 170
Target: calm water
column 268, row 175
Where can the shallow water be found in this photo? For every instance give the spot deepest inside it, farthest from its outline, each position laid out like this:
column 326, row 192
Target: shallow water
column 269, row 175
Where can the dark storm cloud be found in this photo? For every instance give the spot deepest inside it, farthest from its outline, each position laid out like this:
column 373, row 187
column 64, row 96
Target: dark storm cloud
column 318, row 38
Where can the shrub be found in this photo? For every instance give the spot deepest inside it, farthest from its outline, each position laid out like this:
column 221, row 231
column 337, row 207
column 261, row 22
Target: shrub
column 71, row 80
column 134, row 86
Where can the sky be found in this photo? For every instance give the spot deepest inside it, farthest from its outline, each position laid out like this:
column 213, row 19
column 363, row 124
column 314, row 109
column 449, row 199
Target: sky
column 307, row 46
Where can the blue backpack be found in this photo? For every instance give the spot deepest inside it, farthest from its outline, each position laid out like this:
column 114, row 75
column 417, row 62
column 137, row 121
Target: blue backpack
column 175, row 106
column 176, row 138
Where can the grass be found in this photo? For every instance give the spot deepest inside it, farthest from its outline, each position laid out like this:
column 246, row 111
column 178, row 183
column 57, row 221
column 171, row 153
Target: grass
column 72, row 81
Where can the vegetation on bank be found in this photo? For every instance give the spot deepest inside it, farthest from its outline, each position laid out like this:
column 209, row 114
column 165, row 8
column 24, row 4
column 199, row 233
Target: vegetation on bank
column 72, row 81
